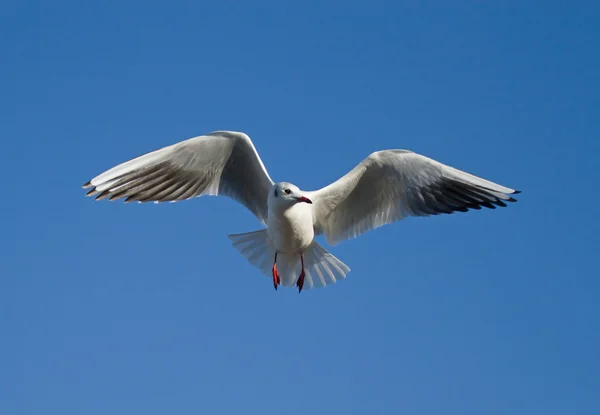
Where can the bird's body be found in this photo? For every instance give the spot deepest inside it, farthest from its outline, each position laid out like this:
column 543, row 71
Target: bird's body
column 291, row 230
column 385, row 187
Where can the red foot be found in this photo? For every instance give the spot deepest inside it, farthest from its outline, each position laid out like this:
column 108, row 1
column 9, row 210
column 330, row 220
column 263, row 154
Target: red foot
column 300, row 282
column 276, row 279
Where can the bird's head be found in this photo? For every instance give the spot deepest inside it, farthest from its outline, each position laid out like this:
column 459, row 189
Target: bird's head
column 284, row 195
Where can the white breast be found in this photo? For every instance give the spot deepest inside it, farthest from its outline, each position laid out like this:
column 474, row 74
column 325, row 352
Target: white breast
column 292, row 229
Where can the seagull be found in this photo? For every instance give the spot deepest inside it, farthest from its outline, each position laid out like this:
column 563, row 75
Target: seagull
column 387, row 186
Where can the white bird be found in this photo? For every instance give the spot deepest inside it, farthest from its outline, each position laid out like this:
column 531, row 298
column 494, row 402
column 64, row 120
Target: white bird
column 385, row 187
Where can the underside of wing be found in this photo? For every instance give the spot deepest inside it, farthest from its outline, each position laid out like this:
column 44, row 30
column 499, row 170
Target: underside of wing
column 217, row 163
column 393, row 184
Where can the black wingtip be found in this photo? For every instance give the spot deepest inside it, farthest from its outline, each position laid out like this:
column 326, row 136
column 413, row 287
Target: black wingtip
column 88, row 184
column 103, row 194
column 92, row 192
column 516, row 192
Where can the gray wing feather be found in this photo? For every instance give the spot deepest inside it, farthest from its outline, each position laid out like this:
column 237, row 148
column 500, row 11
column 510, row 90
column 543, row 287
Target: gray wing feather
column 218, row 163
column 391, row 185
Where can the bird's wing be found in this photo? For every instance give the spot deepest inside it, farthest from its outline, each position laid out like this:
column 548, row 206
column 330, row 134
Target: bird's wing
column 218, row 163
column 390, row 185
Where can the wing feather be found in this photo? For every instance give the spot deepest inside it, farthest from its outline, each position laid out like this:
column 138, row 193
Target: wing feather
column 219, row 163
column 390, row 185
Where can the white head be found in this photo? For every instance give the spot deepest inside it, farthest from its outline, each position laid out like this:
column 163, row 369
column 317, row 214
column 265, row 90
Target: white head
column 285, row 195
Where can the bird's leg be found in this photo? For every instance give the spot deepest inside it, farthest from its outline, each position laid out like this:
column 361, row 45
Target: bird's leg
column 276, row 279
column 300, row 282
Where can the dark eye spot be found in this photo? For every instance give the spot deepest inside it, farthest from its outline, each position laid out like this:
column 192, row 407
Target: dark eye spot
column 287, row 191
column 275, row 193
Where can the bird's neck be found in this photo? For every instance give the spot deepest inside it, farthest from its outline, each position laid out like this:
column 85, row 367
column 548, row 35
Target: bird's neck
column 291, row 213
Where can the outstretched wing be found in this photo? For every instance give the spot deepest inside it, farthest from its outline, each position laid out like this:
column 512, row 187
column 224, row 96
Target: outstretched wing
column 218, row 163
column 390, row 185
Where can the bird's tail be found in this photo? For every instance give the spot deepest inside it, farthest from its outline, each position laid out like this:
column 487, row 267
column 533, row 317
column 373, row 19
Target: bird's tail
column 321, row 267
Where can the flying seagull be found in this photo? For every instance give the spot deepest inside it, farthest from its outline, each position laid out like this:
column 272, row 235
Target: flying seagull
column 387, row 186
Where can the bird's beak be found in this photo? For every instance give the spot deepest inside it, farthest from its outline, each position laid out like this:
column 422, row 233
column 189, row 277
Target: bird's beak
column 304, row 199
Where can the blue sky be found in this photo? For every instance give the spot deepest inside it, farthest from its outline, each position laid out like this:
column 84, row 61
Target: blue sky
column 114, row 308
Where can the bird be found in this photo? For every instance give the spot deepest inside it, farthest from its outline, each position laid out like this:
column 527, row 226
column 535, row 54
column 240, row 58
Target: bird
column 387, row 186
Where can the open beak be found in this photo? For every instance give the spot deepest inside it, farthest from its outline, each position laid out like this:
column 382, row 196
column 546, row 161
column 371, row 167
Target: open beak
column 304, row 199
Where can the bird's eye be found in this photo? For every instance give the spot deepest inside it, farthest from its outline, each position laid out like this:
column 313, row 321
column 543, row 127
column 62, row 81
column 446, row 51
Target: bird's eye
column 287, row 191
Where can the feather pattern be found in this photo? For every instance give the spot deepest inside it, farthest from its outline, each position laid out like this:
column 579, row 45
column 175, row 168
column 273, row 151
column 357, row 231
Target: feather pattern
column 221, row 162
column 391, row 185
column 321, row 267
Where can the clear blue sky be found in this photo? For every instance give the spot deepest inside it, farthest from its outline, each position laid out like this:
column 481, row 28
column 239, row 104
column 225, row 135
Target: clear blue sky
column 107, row 308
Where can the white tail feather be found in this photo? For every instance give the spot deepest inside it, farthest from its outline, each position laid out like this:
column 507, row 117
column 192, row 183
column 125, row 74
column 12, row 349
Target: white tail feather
column 320, row 266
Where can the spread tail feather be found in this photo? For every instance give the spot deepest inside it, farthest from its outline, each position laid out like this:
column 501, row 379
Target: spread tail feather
column 320, row 266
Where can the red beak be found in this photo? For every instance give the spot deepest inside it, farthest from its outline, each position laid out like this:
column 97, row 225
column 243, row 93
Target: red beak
column 304, row 199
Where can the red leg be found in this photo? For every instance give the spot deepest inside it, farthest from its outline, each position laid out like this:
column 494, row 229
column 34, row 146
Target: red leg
column 300, row 282
column 276, row 279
